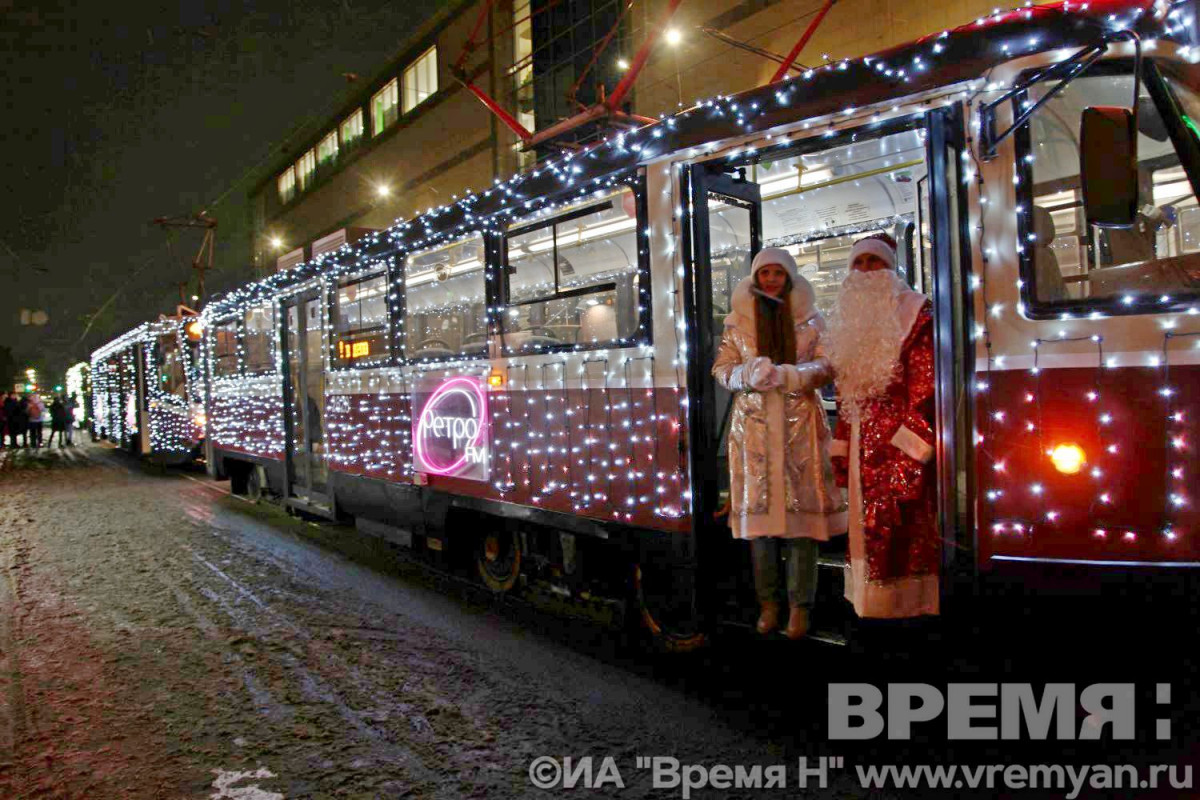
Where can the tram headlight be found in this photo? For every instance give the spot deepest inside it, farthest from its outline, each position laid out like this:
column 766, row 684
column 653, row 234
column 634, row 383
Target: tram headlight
column 1068, row 458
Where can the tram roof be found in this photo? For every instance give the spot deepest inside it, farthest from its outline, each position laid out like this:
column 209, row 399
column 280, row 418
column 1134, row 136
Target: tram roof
column 143, row 331
column 927, row 64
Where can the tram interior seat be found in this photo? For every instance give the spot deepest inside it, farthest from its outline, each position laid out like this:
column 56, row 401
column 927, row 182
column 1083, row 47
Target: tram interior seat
column 531, row 340
column 598, row 324
column 434, row 348
column 475, row 344
column 1049, row 279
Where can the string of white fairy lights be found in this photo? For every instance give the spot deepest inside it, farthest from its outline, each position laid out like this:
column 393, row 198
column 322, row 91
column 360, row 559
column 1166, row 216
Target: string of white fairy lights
column 382, row 445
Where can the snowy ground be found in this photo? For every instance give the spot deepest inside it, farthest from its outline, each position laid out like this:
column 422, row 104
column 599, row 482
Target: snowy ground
column 162, row 639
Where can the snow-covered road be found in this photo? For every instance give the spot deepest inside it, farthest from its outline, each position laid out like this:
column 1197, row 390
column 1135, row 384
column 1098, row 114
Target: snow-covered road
column 161, row 638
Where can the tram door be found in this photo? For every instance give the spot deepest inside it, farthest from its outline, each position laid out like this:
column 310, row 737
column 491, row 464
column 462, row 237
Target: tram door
column 304, row 400
column 726, row 233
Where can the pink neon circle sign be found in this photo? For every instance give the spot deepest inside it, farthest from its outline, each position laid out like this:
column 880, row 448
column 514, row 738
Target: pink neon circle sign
column 430, row 424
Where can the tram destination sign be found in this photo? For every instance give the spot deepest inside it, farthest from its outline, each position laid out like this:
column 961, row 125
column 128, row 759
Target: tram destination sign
column 450, row 428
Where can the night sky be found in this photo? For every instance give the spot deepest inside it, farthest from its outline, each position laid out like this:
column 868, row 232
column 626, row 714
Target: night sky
column 117, row 113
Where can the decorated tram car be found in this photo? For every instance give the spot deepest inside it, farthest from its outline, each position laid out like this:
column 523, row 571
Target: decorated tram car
column 147, row 392
column 540, row 353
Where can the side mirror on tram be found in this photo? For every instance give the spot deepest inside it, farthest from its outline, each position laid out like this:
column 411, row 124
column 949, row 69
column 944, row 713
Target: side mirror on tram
column 1108, row 166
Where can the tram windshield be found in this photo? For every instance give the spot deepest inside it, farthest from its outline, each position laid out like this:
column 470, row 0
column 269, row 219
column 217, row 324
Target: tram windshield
column 1159, row 253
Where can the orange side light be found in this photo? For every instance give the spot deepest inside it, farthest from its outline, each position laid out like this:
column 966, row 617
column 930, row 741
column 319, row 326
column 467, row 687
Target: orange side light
column 496, row 379
column 1068, row 458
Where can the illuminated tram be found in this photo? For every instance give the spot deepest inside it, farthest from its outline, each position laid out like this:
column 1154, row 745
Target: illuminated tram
column 540, row 353
column 147, row 392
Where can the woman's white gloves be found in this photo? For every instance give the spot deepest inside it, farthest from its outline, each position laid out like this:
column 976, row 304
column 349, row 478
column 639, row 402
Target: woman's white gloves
column 760, row 375
column 764, row 376
column 804, row 377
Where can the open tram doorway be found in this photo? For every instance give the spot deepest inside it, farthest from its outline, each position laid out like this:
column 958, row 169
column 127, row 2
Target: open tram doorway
column 815, row 197
column 304, row 402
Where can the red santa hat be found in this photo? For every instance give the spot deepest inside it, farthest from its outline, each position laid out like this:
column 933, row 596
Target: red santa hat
column 880, row 245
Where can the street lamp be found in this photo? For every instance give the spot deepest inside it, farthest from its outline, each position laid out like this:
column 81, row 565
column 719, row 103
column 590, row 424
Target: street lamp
column 276, row 242
column 673, row 36
column 383, row 190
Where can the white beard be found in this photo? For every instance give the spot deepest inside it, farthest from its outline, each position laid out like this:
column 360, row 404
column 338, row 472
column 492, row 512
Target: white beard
column 864, row 337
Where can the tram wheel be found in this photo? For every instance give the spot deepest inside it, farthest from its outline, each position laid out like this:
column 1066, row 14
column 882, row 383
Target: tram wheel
column 671, row 630
column 499, row 560
column 254, row 487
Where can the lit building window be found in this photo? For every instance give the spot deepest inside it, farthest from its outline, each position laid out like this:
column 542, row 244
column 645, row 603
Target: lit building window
column 327, row 150
column 522, row 77
column 352, row 128
column 383, row 108
column 420, row 79
column 305, row 168
column 287, row 185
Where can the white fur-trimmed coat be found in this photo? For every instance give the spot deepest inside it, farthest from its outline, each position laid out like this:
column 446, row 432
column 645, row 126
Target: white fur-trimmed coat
column 781, row 478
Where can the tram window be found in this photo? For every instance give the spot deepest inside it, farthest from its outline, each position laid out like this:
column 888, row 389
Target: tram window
column 816, row 204
column 360, row 321
column 259, row 331
column 1063, row 261
column 170, row 361
column 573, row 280
column 445, row 306
column 225, row 356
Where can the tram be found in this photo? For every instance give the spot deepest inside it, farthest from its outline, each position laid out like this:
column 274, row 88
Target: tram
column 147, row 394
column 539, row 354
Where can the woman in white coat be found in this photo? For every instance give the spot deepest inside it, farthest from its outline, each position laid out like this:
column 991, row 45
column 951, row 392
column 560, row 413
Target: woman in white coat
column 782, row 489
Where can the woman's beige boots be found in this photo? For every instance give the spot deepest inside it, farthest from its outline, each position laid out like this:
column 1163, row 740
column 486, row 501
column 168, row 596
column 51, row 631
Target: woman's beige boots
column 797, row 625
column 768, row 620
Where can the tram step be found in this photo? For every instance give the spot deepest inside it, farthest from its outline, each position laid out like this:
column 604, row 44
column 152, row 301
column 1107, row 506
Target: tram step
column 316, row 510
column 822, row 635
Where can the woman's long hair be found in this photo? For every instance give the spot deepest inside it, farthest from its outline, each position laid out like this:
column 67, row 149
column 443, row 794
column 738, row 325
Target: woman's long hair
column 774, row 327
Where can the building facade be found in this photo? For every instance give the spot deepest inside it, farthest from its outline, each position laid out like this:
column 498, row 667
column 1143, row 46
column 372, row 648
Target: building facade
column 414, row 137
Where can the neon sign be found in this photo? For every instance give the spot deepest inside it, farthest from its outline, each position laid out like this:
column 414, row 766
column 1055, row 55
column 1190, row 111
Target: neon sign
column 450, row 428
column 354, row 349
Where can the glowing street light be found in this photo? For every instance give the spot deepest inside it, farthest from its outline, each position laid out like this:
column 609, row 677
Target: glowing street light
column 383, row 190
column 276, row 242
column 622, row 64
column 673, row 36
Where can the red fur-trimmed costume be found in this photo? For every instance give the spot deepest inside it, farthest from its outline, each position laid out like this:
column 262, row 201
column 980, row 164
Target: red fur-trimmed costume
column 884, row 457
